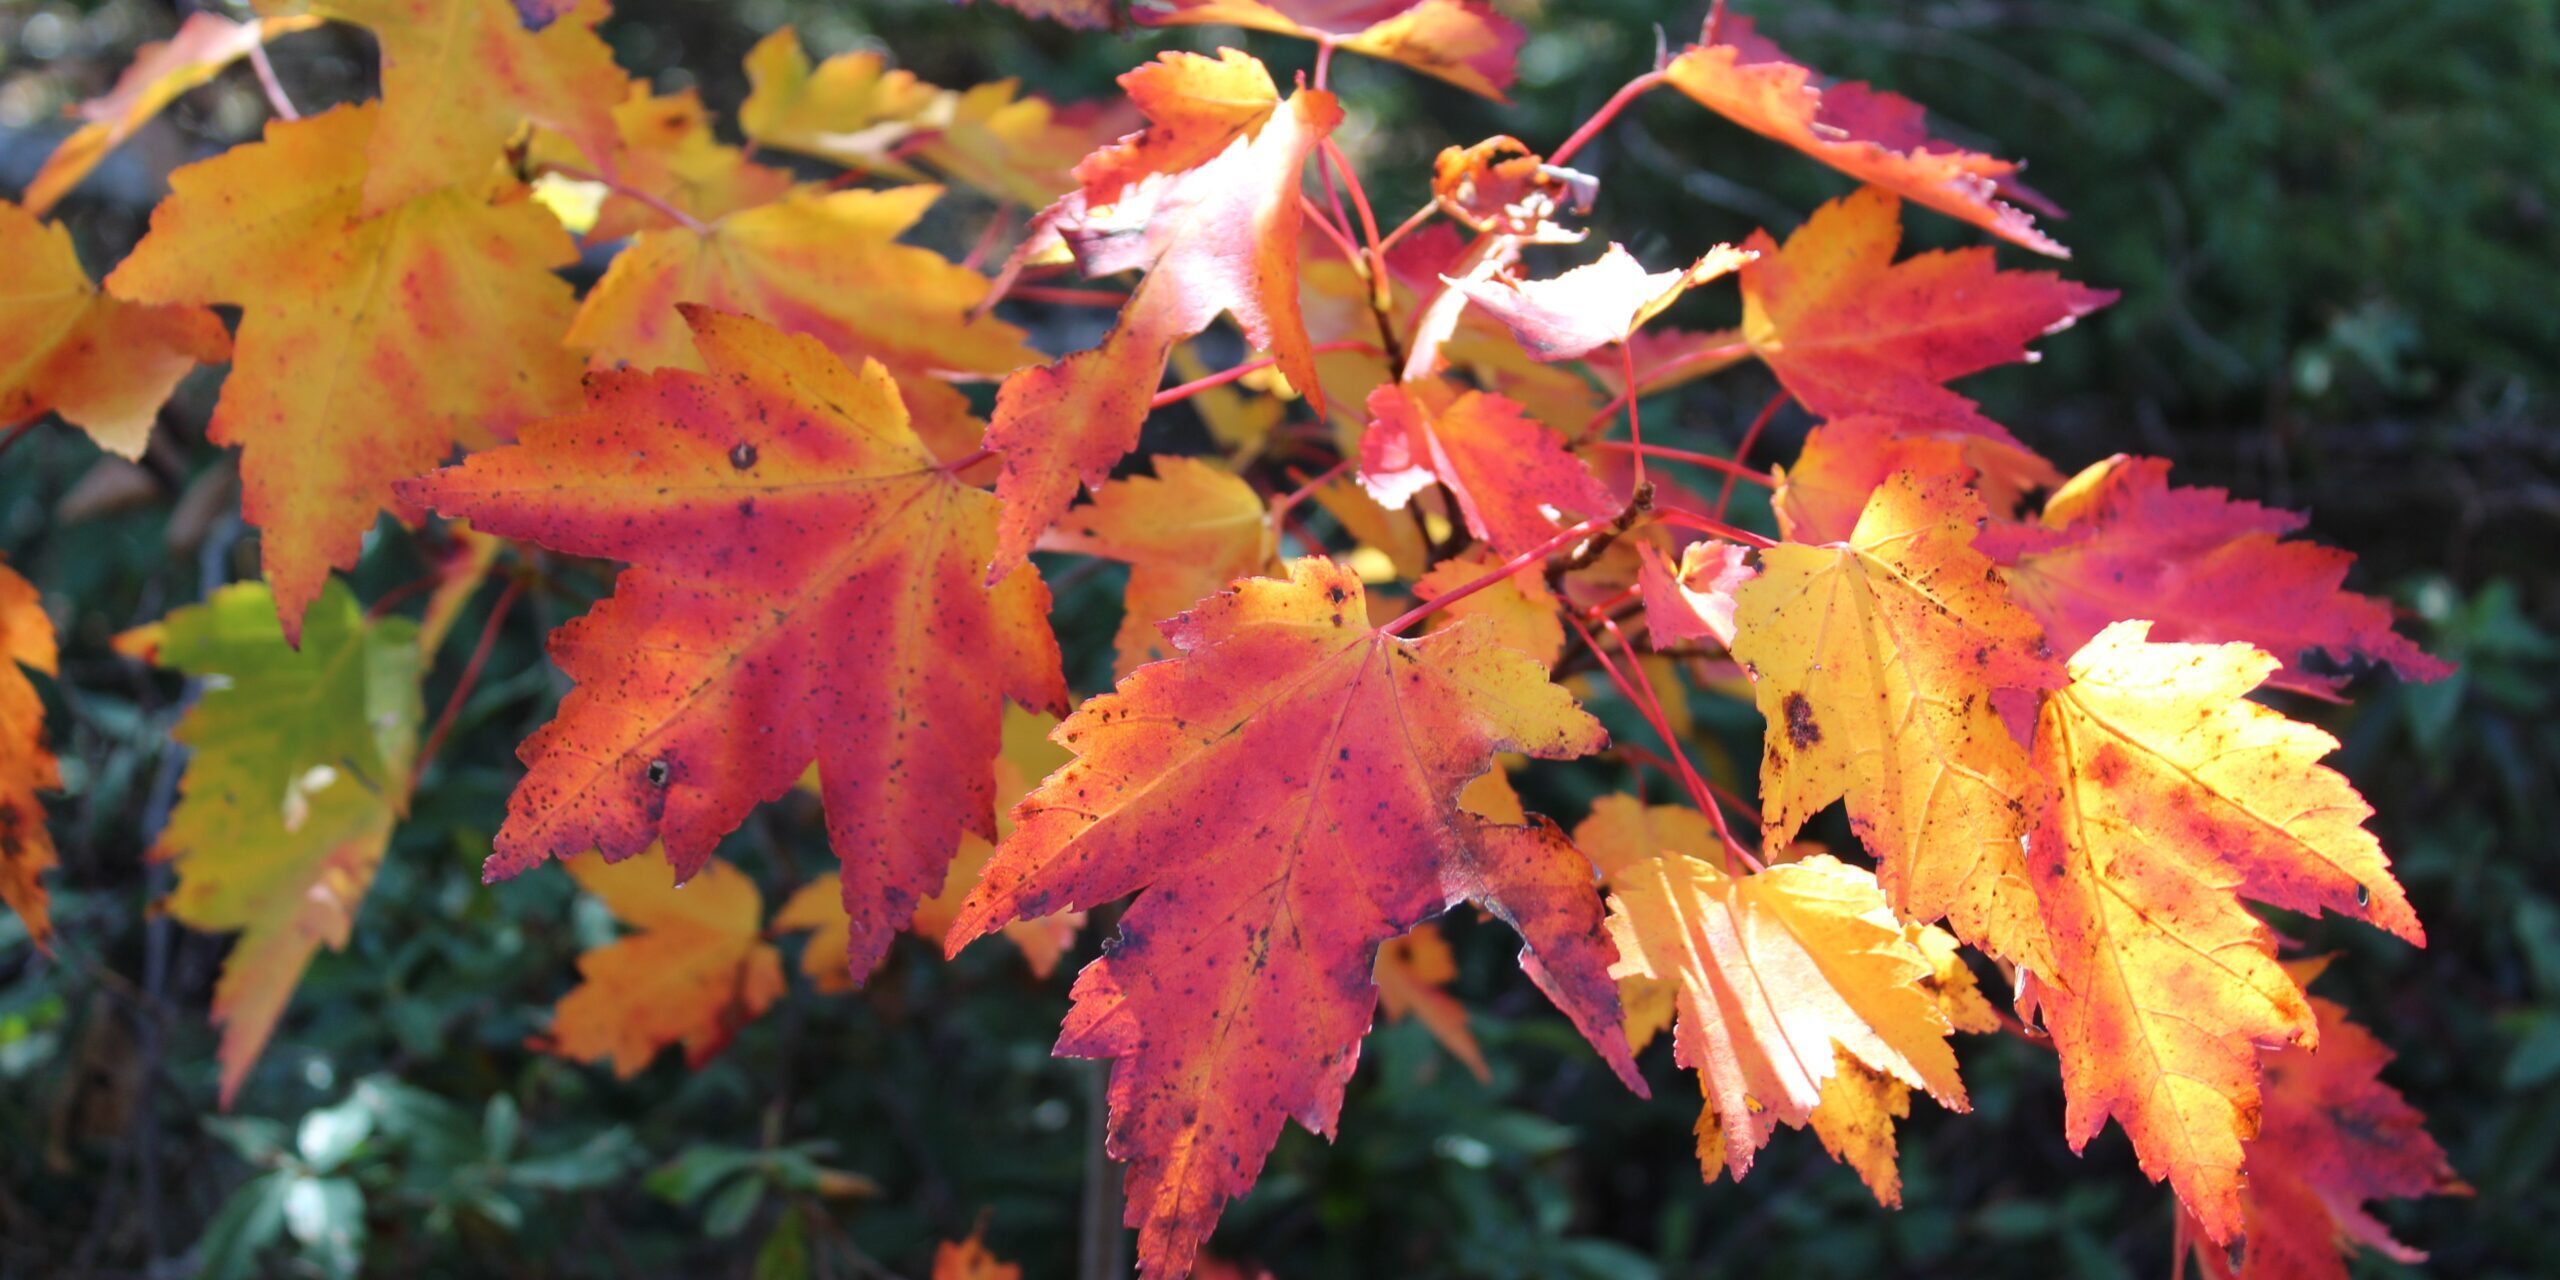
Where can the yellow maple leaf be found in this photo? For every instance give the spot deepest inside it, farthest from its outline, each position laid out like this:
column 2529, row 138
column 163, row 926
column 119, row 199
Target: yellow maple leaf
column 1774, row 970
column 2176, row 796
column 1875, row 662
column 370, row 345
column 696, row 971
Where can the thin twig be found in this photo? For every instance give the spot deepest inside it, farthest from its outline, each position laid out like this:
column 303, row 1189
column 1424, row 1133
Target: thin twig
column 470, row 677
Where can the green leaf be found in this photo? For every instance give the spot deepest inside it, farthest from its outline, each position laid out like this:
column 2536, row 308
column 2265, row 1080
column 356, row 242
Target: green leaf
column 300, row 767
column 733, row 1206
column 246, row 1223
column 327, row 1216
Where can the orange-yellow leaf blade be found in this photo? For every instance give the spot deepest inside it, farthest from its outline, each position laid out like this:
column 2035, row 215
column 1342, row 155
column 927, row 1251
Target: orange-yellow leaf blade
column 27, row 765
column 104, row 364
column 370, row 345
column 1285, row 794
column 1776, row 972
column 1874, row 663
column 696, row 970
column 804, row 584
column 2176, row 796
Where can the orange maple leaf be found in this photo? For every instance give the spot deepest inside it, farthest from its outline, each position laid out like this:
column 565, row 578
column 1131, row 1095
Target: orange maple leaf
column 1848, row 330
column 1286, row 793
column 970, row 1259
column 2118, row 542
column 697, row 971
column 2175, row 797
column 1875, row 662
column 804, row 585
column 1461, row 41
column 665, row 150
column 825, row 264
column 1221, row 237
column 2331, row 1136
column 1777, row 975
column 1873, row 136
column 1844, row 461
column 459, row 76
column 1510, row 473
column 370, row 345
column 26, row 765
column 104, row 364
column 1413, row 976
column 1185, row 533
column 160, row 72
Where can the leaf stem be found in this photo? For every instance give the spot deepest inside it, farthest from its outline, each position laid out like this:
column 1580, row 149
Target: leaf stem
column 1683, row 518
column 1732, row 470
column 1178, row 394
column 1409, row 225
column 1608, row 111
column 470, row 679
column 656, row 203
column 1281, row 503
column 1750, row 437
column 277, row 101
column 1563, row 538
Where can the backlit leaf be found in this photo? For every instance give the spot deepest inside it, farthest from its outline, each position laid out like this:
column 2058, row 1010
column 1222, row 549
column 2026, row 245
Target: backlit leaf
column 802, row 575
column 1285, row 795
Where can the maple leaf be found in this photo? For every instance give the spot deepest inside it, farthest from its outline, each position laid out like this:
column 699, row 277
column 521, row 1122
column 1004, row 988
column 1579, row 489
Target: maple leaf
column 970, row 1260
column 817, row 908
column 850, row 109
column 1196, row 107
column 1413, row 974
column 827, row 265
column 1500, row 187
column 1875, row 137
column 1776, row 970
column 1509, row 473
column 104, row 364
column 369, row 345
column 1185, row 532
column 159, row 74
column 1875, row 663
column 2332, row 1137
column 1285, row 793
column 299, row 767
column 1694, row 599
column 26, row 765
column 459, row 76
column 1519, row 609
column 1594, row 305
column 697, row 970
column 2118, row 542
column 1461, row 41
column 1221, row 237
column 1620, row 834
column 1848, row 330
column 801, row 572
column 665, row 149
column 2176, row 795
column 1844, row 461
column 1012, row 145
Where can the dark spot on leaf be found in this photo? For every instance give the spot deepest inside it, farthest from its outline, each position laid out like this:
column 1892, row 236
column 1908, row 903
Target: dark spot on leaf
column 742, row 455
column 659, row 772
column 1801, row 730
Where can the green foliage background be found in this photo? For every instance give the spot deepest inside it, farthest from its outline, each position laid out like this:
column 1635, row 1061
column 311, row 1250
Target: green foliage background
column 2333, row 226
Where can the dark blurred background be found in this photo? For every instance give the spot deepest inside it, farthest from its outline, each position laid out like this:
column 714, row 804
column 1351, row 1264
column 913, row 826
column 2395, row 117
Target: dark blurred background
column 2333, row 225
